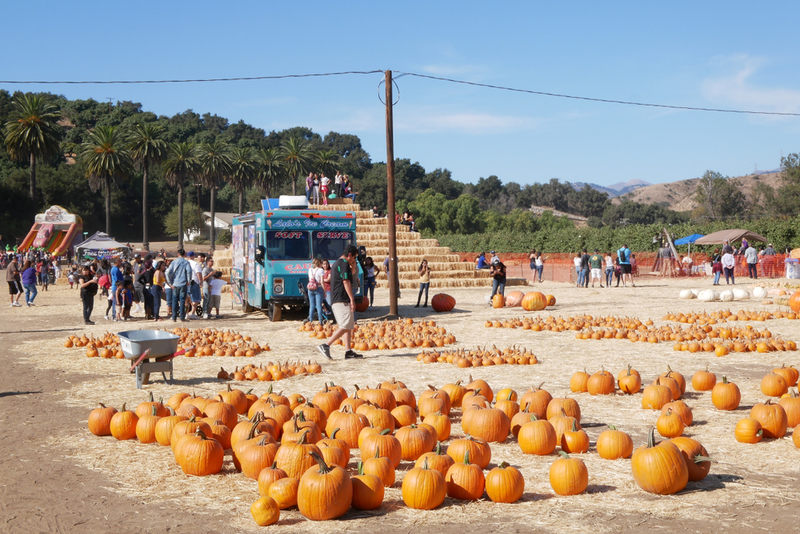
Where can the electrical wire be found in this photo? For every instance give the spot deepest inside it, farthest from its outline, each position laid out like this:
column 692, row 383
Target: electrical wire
column 198, row 80
column 603, row 100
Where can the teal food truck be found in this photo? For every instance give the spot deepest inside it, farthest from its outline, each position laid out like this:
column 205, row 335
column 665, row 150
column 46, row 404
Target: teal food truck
column 273, row 249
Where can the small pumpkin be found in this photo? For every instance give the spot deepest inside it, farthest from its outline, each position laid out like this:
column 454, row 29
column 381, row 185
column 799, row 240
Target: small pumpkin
column 505, row 484
column 465, row 480
column 100, row 420
column 703, row 380
column 725, row 395
column 613, row 444
column 123, row 424
column 367, row 490
column 537, row 437
column 265, row 511
column 424, row 488
column 284, row 491
column 498, row 301
column 772, row 418
column 748, row 431
column 568, row 476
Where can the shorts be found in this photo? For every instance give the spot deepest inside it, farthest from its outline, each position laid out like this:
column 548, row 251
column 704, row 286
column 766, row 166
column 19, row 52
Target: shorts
column 213, row 302
column 194, row 292
column 626, row 268
column 343, row 315
column 14, row 288
column 597, row 273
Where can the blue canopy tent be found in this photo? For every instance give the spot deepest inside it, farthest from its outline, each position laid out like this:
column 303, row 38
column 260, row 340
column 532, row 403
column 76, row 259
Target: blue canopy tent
column 688, row 240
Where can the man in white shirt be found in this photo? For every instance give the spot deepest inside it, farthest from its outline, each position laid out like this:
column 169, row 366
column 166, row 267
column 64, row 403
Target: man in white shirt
column 197, row 280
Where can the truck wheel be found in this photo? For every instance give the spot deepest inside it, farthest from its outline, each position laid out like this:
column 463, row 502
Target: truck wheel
column 274, row 312
column 246, row 308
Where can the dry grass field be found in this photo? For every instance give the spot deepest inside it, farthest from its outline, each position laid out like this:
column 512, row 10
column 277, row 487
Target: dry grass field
column 750, row 487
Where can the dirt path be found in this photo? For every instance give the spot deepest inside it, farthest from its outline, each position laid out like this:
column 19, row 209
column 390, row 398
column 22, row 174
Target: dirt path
column 59, row 478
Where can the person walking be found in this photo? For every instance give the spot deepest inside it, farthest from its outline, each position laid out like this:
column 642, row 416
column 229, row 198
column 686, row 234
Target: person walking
column 344, row 304
column 88, row 284
column 179, row 276
column 424, row 282
column 596, row 265
column 28, row 277
column 728, row 265
column 498, row 274
column 624, row 255
column 316, row 291
column 751, row 257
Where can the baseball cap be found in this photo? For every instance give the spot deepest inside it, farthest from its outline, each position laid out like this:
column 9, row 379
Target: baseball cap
column 493, row 252
column 190, row 254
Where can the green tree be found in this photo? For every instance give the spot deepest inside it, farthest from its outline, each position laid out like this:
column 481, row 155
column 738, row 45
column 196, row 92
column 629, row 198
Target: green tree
column 326, row 162
column 787, row 198
column 147, row 148
column 32, row 132
column 296, row 159
column 717, row 196
column 243, row 172
column 180, row 217
column 180, row 166
column 269, row 170
column 215, row 165
column 105, row 159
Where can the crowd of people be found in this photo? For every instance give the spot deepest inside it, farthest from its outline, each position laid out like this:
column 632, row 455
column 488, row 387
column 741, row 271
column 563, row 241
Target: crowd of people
column 319, row 188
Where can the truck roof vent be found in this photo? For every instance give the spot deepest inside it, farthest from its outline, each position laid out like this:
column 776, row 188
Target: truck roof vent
column 288, row 202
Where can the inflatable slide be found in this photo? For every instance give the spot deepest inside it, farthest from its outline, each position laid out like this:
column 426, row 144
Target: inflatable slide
column 55, row 231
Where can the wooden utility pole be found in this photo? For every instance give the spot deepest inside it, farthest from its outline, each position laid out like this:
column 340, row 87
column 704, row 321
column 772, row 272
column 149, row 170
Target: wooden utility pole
column 394, row 282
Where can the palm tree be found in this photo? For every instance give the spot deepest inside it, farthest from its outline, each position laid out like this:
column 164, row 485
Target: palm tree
column 181, row 165
column 243, row 171
column 270, row 169
column 32, row 132
column 147, row 148
column 296, row 159
column 326, row 162
column 215, row 164
column 105, row 157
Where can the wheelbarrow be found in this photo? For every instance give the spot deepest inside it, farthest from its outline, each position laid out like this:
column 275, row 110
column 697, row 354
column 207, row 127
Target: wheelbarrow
column 151, row 351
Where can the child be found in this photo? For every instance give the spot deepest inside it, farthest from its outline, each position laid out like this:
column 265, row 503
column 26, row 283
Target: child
column 110, row 308
column 215, row 286
column 117, row 302
column 71, row 278
column 127, row 299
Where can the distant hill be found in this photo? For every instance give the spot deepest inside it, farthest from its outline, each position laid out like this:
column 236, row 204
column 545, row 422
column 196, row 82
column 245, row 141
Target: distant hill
column 679, row 196
column 613, row 190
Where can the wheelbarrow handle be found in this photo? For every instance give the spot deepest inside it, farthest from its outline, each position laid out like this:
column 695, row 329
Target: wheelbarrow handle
column 142, row 357
column 179, row 353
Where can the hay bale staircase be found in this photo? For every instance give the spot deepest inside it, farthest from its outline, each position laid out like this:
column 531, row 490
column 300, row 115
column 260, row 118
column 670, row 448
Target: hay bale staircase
column 447, row 269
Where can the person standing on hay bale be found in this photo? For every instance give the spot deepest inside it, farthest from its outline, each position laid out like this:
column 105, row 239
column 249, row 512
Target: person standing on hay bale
column 424, row 282
column 344, row 304
column 498, row 273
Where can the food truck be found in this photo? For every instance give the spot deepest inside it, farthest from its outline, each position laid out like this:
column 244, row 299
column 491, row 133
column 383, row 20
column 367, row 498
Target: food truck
column 273, row 249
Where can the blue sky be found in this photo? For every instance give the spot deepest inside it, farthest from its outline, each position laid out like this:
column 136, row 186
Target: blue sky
column 739, row 55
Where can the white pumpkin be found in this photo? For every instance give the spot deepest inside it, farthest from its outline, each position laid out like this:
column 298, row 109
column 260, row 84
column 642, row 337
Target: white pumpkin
column 707, row 295
column 740, row 294
column 726, row 296
column 759, row 292
column 687, row 294
column 695, row 292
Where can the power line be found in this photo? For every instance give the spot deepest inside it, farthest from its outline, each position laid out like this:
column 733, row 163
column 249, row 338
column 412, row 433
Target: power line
column 198, row 80
column 603, row 100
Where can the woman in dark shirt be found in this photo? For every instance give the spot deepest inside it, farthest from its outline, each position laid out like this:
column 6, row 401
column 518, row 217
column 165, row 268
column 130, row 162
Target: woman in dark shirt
column 88, row 284
column 146, row 280
column 29, row 282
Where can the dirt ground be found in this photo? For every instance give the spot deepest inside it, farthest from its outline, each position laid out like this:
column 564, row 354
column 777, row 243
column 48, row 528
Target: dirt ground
column 60, row 478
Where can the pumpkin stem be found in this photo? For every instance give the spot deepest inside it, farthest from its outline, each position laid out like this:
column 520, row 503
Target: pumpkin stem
column 425, row 463
column 466, row 457
column 333, row 434
column 612, row 427
column 438, row 449
column 200, row 434
column 123, row 407
column 651, row 437
column 151, row 397
column 724, row 379
column 385, row 431
column 153, row 410
column 533, row 417
column 323, row 467
column 574, row 425
column 700, row 459
column 263, row 440
column 377, row 452
column 503, row 465
column 302, row 440
column 360, row 468
column 564, row 455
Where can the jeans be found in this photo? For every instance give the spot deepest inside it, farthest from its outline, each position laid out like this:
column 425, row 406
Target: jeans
column 179, row 302
column 147, row 298
column 88, row 306
column 155, row 291
column 194, row 292
column 30, row 293
column 371, row 289
column 581, row 276
column 584, row 277
column 716, row 277
column 206, row 302
column 729, row 276
column 609, row 275
column 498, row 286
column 540, row 270
column 423, row 286
column 752, row 269
column 315, row 297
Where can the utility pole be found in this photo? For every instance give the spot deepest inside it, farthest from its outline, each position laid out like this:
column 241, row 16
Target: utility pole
column 394, row 282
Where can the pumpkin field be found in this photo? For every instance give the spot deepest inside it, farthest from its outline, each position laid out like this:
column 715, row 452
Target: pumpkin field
column 609, row 410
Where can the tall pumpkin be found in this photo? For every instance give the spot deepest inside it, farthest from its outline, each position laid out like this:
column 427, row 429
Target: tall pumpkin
column 424, row 488
column 498, row 301
column 325, row 492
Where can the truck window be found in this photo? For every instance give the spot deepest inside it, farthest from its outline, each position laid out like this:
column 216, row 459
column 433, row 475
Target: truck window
column 288, row 245
column 329, row 245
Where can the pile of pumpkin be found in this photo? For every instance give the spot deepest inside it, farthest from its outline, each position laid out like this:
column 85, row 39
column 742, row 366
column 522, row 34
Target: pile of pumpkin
column 387, row 335
column 213, row 342
column 270, row 371
column 575, row 323
column 480, row 357
column 105, row 346
column 532, row 301
column 726, row 316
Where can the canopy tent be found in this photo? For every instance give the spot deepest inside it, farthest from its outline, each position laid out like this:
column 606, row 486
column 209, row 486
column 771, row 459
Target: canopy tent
column 100, row 246
column 689, row 239
column 736, row 234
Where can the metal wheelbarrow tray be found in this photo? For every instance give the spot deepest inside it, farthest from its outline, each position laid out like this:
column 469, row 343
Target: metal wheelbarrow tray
column 141, row 346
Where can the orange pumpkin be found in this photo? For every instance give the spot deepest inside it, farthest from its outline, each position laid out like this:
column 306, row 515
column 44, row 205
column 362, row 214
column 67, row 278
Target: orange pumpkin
column 442, row 302
column 534, row 301
column 514, row 299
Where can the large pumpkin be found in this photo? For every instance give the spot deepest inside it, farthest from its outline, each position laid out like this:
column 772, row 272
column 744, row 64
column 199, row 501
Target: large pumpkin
column 514, row 299
column 498, row 301
column 534, row 301
column 794, row 302
column 362, row 306
column 325, row 492
column 442, row 303
column 659, row 468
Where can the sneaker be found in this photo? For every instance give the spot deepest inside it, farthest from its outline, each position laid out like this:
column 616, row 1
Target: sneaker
column 29, row 304
column 325, row 350
column 218, row 316
column 206, row 316
column 183, row 320
column 17, row 304
column 88, row 322
column 105, row 317
column 174, row 320
column 351, row 354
